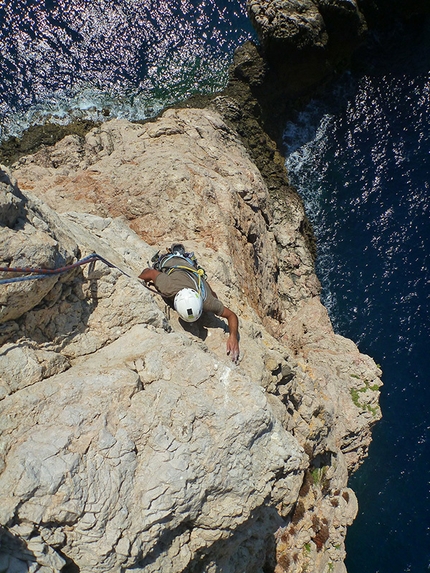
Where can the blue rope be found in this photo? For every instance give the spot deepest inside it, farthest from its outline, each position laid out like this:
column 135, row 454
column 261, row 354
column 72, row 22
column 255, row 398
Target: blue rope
column 22, row 279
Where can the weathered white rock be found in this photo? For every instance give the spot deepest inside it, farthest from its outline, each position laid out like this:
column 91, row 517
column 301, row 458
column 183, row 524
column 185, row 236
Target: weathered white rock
column 129, row 441
column 149, row 439
column 29, row 237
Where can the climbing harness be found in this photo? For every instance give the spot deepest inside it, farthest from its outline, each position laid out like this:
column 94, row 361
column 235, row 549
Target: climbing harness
column 195, row 272
column 196, row 276
column 44, row 273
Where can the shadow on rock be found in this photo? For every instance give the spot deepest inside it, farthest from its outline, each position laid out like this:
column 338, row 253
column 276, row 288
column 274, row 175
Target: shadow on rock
column 237, row 550
column 201, row 327
column 14, row 552
column 17, row 554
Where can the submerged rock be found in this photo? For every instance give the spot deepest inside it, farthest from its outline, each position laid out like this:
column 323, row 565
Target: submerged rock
column 130, row 441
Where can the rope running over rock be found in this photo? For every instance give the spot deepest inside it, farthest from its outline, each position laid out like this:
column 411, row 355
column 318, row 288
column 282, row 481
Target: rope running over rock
column 44, row 273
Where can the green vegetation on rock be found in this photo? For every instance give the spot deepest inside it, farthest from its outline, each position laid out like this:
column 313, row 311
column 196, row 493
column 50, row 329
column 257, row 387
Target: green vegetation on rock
column 38, row 136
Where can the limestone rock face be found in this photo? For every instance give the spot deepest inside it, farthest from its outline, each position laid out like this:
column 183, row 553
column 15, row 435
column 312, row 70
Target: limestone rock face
column 11, row 203
column 145, row 454
column 28, row 238
column 185, row 176
column 129, row 441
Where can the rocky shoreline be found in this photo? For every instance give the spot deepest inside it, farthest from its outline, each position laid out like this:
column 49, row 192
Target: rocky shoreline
column 130, row 442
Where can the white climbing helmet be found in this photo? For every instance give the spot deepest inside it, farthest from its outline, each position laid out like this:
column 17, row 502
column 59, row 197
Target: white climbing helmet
column 188, row 304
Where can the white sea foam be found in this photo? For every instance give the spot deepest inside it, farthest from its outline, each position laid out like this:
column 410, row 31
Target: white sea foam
column 88, row 104
column 98, row 60
column 306, row 141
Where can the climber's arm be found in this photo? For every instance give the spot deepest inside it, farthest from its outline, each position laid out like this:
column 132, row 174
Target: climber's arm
column 233, row 339
column 149, row 275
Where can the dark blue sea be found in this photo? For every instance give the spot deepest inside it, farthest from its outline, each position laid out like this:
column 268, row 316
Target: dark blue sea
column 360, row 157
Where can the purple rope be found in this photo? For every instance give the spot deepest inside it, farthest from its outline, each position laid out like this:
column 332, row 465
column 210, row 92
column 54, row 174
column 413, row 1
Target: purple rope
column 44, row 273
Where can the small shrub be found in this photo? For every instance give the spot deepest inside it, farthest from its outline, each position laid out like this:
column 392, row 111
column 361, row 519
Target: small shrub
column 319, row 476
column 321, row 537
column 284, row 562
column 355, row 397
column 298, row 514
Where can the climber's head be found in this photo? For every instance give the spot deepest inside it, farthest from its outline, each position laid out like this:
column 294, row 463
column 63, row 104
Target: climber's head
column 188, row 304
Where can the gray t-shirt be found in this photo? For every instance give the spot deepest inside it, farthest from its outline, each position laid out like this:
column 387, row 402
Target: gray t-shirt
column 170, row 285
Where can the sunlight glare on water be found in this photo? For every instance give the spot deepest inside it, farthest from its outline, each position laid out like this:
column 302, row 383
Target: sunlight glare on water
column 361, row 161
column 122, row 58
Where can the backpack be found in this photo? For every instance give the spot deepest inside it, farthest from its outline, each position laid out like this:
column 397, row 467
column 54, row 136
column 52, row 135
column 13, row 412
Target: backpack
column 197, row 273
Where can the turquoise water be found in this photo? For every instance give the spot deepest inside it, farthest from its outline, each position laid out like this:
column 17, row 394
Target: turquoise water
column 361, row 160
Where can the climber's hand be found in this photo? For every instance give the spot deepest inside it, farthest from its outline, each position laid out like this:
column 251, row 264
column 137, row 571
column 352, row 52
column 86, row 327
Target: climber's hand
column 233, row 348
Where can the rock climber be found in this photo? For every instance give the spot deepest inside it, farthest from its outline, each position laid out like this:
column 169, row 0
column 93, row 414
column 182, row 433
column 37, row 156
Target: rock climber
column 176, row 275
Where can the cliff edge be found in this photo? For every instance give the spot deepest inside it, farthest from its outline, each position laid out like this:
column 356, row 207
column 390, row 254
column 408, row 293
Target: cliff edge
column 130, row 441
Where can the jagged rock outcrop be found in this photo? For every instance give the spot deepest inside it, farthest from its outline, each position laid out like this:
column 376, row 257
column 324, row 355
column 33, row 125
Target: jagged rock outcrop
column 130, row 441
column 305, row 41
column 288, row 27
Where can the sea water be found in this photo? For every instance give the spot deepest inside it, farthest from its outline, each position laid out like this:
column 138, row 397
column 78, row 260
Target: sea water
column 361, row 160
column 98, row 59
